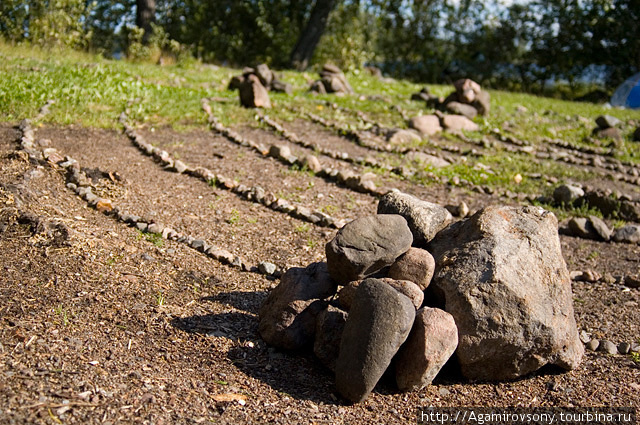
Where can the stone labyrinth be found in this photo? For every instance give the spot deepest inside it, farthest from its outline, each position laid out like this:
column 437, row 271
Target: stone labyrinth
column 413, row 276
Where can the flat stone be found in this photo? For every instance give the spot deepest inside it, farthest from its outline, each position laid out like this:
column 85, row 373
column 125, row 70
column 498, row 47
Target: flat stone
column 458, row 123
column 416, row 265
column 502, row 276
column 425, row 219
column 378, row 324
column 367, row 245
column 609, row 133
column 427, row 160
column 582, row 228
column 462, row 109
column 403, row 137
column 432, row 341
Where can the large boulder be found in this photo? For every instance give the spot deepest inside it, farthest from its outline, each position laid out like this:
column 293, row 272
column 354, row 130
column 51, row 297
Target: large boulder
column 432, row 341
column 366, row 245
column 379, row 322
column 253, row 94
column 425, row 219
column 288, row 315
column 334, row 80
column 502, row 276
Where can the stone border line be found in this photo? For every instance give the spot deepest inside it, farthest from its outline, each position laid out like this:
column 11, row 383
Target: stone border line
column 254, row 194
column 359, row 183
column 80, row 184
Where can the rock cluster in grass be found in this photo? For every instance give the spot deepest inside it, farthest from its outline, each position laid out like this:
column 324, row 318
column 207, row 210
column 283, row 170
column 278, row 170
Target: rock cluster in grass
column 255, row 83
column 468, row 99
column 332, row 80
column 610, row 204
column 405, row 289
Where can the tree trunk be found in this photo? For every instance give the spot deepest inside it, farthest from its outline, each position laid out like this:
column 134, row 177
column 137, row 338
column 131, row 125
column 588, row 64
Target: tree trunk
column 310, row 36
column 145, row 16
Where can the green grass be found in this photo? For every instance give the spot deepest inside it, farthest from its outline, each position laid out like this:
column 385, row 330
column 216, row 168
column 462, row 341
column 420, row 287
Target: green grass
column 92, row 91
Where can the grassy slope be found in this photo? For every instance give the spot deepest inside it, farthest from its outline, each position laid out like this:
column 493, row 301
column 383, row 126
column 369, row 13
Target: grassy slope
column 92, row 91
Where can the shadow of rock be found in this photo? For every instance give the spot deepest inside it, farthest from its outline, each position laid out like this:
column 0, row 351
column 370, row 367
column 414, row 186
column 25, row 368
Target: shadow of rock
column 245, row 301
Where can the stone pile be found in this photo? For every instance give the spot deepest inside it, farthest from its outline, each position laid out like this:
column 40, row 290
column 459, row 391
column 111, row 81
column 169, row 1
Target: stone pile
column 332, row 80
column 609, row 204
column 254, row 85
column 468, row 99
column 607, row 128
column 417, row 288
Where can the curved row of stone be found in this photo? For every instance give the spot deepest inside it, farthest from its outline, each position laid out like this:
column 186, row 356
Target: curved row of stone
column 361, row 183
column 80, row 184
column 254, row 193
column 337, row 155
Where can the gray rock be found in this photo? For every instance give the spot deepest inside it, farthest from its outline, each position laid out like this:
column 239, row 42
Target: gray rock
column 635, row 347
column 378, row 323
column 501, row 274
column 466, row 90
column 399, row 136
column 607, row 121
column 427, row 125
column 632, row 281
column 267, row 268
column 347, row 294
column 180, row 166
column 279, row 151
column 432, row 341
column 265, row 75
column 199, row 244
column 629, row 233
column 607, row 347
column 624, row 348
column 482, row 103
column 592, row 345
column 425, row 219
column 253, row 94
column 584, row 337
column 288, row 315
column 458, row 123
column 600, row 227
column 462, row 109
column 636, row 135
column 329, row 327
column 366, row 245
column 582, row 228
column 312, row 163
column 567, row 194
column 416, row 265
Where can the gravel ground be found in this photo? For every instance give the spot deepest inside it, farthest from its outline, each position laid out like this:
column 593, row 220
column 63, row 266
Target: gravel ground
column 103, row 324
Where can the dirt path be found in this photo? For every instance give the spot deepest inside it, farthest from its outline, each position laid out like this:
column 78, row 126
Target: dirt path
column 101, row 323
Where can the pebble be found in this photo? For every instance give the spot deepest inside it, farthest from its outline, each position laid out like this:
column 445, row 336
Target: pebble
column 624, row 348
column 632, row 281
column 592, row 345
column 608, row 347
column 584, row 337
column 267, row 268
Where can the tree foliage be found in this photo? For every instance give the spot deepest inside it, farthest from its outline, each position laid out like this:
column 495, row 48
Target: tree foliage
column 522, row 45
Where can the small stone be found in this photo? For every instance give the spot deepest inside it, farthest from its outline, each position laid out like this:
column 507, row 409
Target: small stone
column 629, row 233
column 584, row 337
column 427, row 125
column 267, row 268
column 624, row 348
column 607, row 121
column 608, row 278
column 312, row 163
column 607, row 347
column 635, row 347
column 104, row 205
column 600, row 228
column 199, row 245
column 567, row 194
column 632, row 281
column 462, row 109
column 142, row 226
column 592, row 345
column 179, row 166
column 459, row 122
